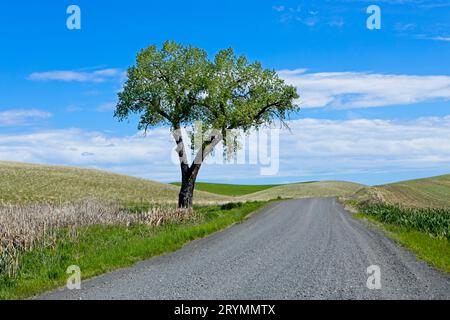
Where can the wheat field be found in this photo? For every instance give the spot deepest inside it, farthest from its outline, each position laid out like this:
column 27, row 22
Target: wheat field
column 431, row 192
column 24, row 227
column 31, row 183
column 306, row 190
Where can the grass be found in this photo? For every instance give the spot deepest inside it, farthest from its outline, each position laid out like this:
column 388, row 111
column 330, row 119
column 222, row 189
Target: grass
column 286, row 191
column 229, row 189
column 101, row 248
column 421, row 193
column 433, row 250
column 415, row 213
column 98, row 246
column 30, row 183
column 431, row 221
column 306, row 190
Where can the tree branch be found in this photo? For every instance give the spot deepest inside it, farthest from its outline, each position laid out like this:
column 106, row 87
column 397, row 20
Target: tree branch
column 206, row 149
column 257, row 116
column 158, row 109
column 265, row 109
column 181, row 150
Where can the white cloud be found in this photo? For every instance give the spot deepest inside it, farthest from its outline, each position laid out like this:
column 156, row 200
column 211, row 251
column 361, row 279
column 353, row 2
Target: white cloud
column 138, row 154
column 20, row 117
column 404, row 27
column 314, row 147
column 106, row 107
column 362, row 145
column 441, row 39
column 77, row 76
column 363, row 89
column 278, row 8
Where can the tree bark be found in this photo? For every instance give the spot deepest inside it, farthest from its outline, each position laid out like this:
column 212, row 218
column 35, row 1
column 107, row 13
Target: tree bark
column 189, row 177
column 189, row 173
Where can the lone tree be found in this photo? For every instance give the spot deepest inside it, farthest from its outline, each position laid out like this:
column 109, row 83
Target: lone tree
column 178, row 86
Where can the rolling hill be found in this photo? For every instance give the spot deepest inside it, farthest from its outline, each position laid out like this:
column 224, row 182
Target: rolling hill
column 24, row 183
column 425, row 193
column 229, row 189
column 307, row 190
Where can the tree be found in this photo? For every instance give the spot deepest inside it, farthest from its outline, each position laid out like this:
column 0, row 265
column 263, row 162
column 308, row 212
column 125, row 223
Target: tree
column 178, row 85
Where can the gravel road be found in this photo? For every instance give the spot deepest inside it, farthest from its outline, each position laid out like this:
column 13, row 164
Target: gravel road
column 297, row 249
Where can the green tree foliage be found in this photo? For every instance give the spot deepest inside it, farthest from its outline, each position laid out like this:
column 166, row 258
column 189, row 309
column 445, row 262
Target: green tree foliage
column 179, row 85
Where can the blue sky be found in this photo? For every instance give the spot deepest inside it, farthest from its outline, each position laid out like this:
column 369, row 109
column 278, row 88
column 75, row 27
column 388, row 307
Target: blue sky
column 375, row 102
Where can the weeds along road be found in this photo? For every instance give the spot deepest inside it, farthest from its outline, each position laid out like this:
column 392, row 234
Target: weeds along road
column 298, row 249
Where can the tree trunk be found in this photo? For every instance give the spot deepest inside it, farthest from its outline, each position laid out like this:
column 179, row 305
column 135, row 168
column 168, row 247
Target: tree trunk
column 189, row 176
column 189, row 173
column 186, row 195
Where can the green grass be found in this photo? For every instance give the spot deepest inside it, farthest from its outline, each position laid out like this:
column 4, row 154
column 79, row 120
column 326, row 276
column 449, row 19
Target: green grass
column 415, row 213
column 100, row 249
column 229, row 189
column 433, row 250
column 424, row 231
column 434, row 222
column 286, row 191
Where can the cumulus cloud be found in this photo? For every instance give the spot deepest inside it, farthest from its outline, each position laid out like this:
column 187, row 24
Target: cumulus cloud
column 140, row 155
column 363, row 89
column 97, row 76
column 313, row 147
column 20, row 117
column 362, row 145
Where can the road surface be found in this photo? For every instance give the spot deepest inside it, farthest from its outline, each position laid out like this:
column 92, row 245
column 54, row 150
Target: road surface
column 297, row 249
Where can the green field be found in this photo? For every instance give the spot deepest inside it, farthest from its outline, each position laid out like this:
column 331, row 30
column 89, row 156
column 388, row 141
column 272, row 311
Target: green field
column 432, row 249
column 229, row 189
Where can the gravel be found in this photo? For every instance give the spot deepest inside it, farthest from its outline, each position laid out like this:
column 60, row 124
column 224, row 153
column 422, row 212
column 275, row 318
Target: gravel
column 297, row 249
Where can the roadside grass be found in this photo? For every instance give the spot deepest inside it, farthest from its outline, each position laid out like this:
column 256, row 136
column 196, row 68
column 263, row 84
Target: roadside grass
column 432, row 221
column 229, row 189
column 433, row 250
column 99, row 248
column 426, row 245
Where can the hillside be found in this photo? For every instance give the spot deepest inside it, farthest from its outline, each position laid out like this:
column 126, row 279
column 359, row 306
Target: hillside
column 430, row 192
column 23, row 183
column 41, row 183
column 229, row 189
column 307, row 190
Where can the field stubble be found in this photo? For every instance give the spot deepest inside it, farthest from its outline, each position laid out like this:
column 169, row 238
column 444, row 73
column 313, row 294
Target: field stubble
column 23, row 227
